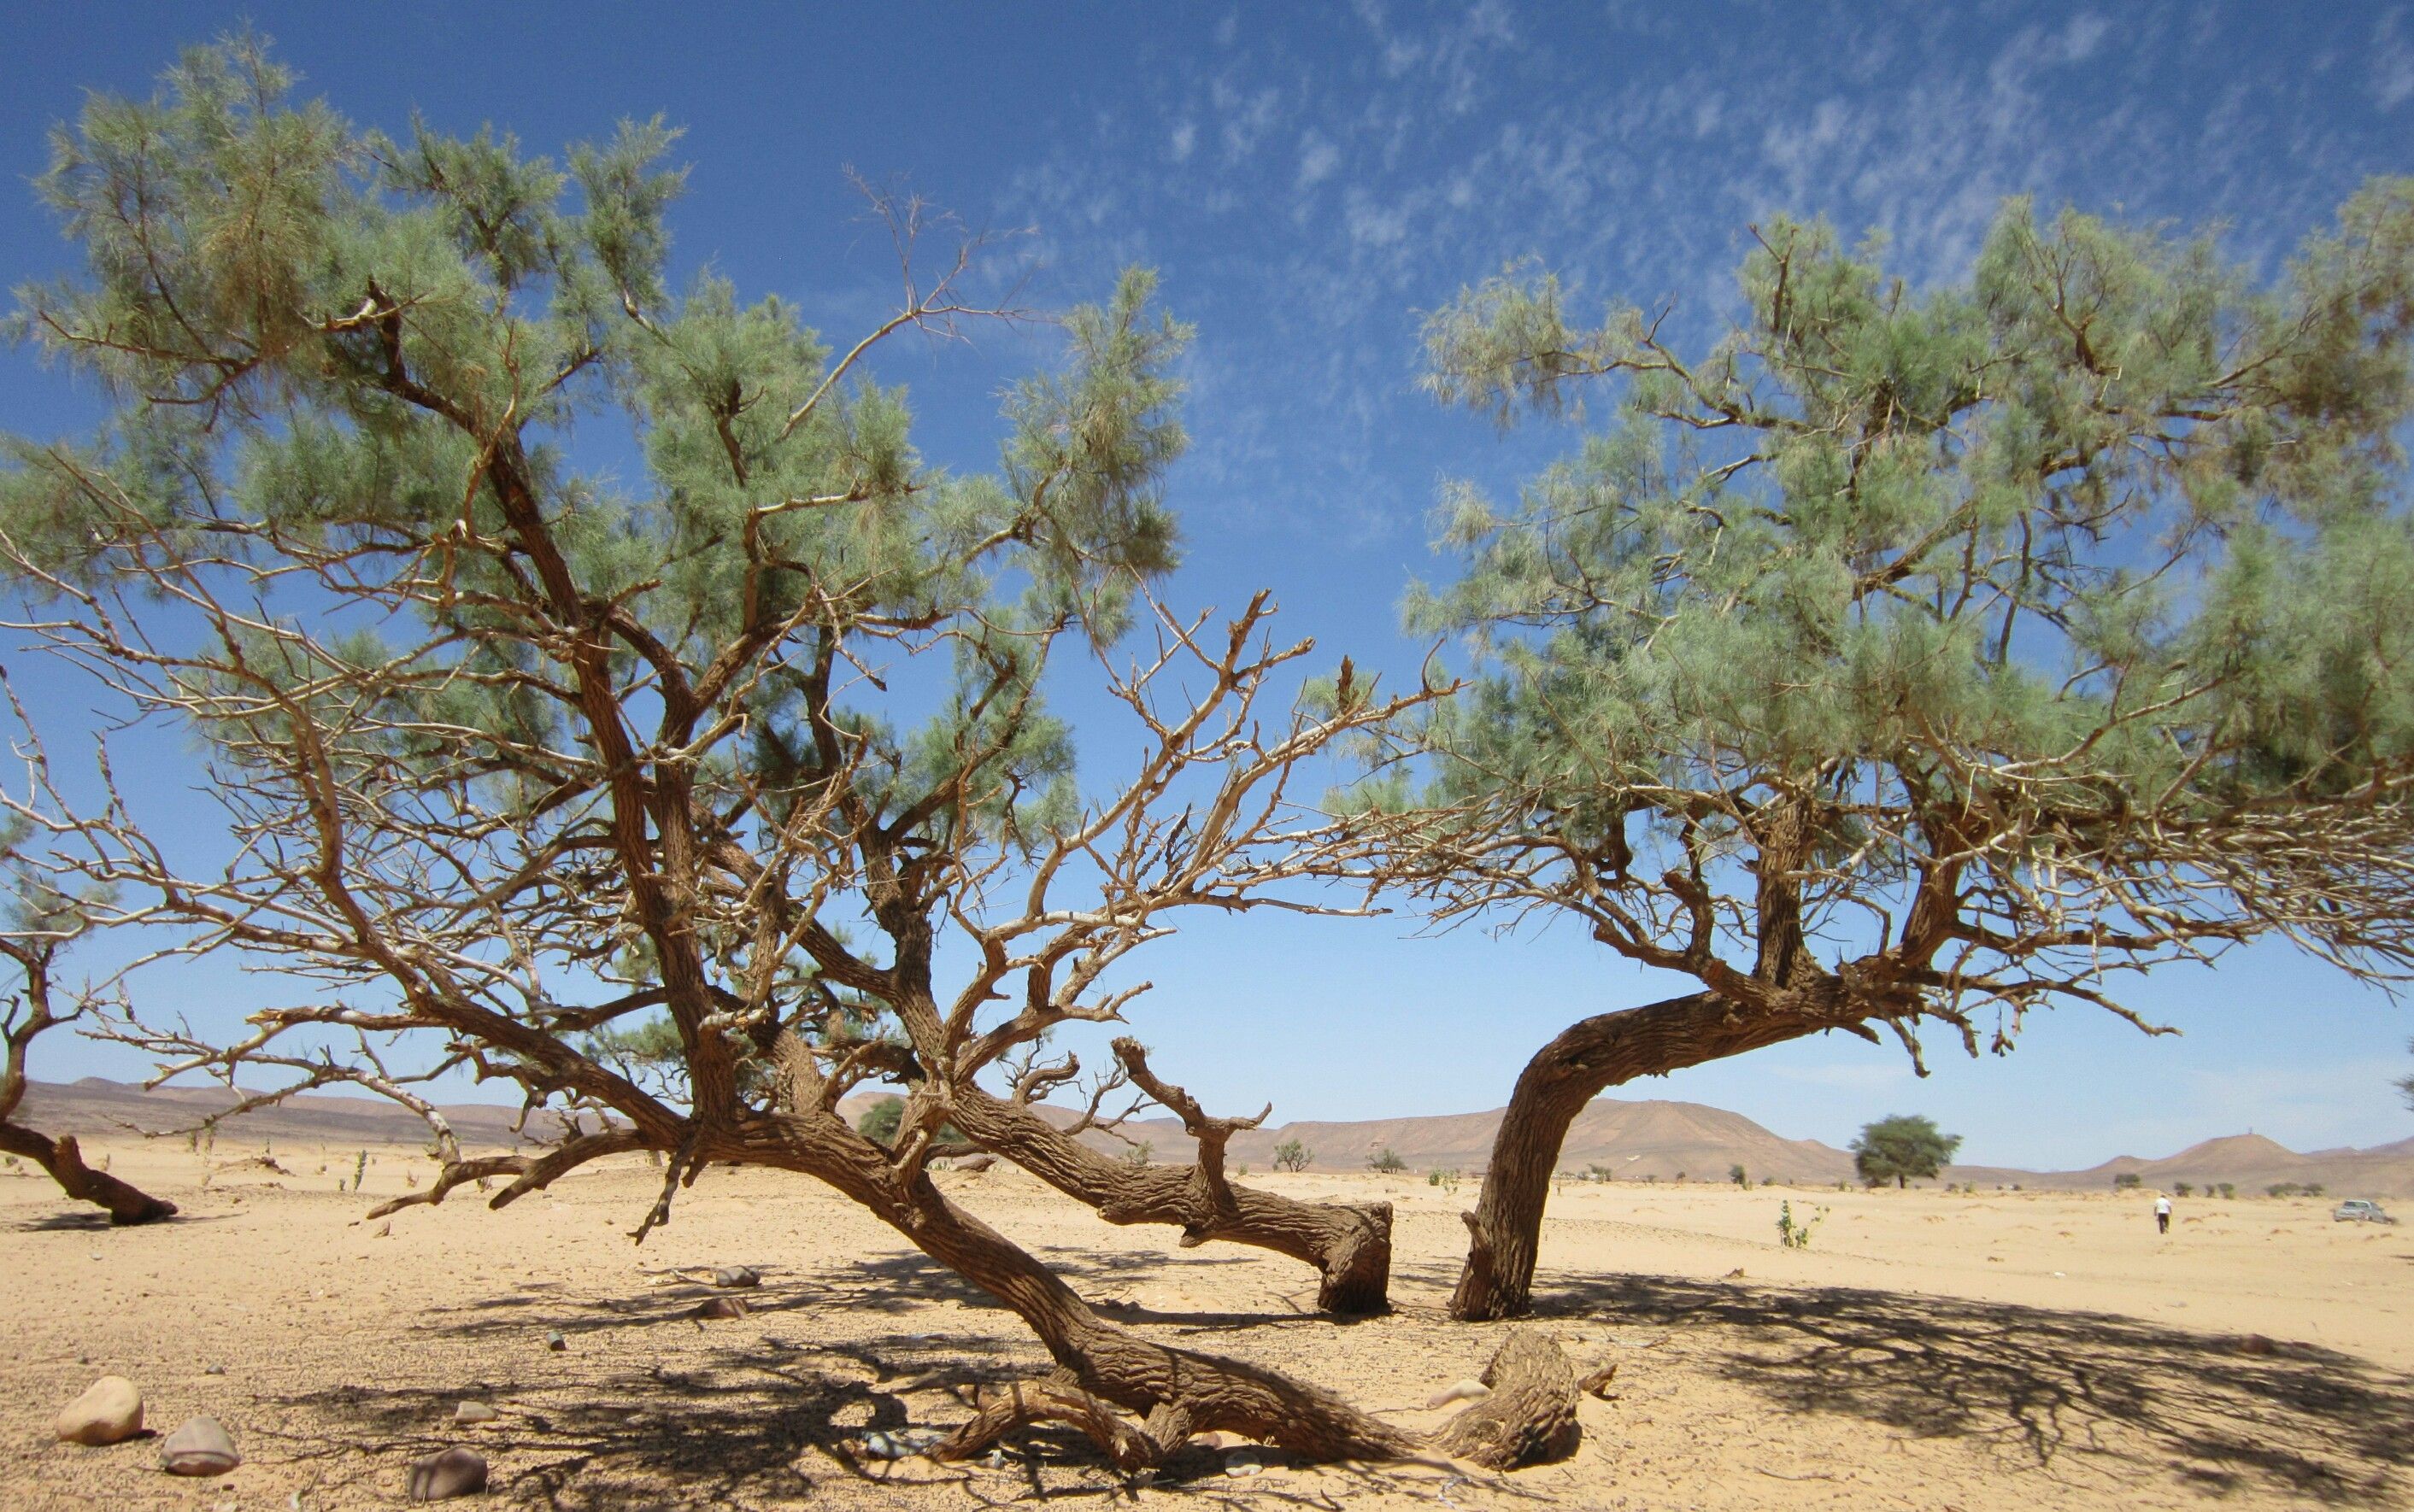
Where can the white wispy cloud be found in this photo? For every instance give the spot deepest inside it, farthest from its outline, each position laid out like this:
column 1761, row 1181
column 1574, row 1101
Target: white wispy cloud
column 1318, row 158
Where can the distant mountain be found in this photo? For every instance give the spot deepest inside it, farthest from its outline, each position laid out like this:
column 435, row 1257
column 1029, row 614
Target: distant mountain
column 96, row 1107
column 2248, row 1161
column 1633, row 1141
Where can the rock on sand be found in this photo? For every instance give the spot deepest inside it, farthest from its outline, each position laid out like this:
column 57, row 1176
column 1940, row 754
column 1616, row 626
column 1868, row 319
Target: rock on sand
column 200, row 1447
column 450, row 1473
column 110, row 1411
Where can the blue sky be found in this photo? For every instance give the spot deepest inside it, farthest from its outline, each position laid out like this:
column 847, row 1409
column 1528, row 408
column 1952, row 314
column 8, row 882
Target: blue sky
column 1307, row 178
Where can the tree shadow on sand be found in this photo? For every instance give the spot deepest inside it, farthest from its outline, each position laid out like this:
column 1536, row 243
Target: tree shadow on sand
column 761, row 1421
column 2228, row 1413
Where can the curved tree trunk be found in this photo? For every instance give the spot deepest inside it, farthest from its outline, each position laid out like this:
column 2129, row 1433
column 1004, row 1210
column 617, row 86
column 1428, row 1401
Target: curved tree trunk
column 1586, row 1059
column 64, row 1160
column 1348, row 1244
column 1173, row 1392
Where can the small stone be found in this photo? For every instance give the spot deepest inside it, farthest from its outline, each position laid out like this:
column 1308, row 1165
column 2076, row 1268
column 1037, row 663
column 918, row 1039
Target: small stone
column 200, row 1447
column 1243, row 1462
column 474, row 1412
column 450, row 1473
column 737, row 1276
column 109, row 1412
column 719, row 1307
column 2254, row 1344
column 214, row 1370
column 554, row 1338
column 1469, row 1391
column 1597, row 1384
column 384, row 1230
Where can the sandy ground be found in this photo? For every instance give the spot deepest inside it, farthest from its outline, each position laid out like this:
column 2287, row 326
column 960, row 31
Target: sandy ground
column 1928, row 1350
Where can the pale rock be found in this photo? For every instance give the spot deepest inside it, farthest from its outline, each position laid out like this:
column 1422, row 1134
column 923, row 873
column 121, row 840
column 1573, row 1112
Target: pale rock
column 737, row 1276
column 109, row 1412
column 201, row 1446
column 1469, row 1391
column 475, row 1411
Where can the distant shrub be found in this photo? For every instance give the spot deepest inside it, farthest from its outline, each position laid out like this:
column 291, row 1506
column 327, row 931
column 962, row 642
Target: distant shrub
column 1385, row 1158
column 2226, row 1190
column 1736, row 1174
column 2295, row 1189
column 2127, row 1181
column 1447, row 1180
column 2180, row 1189
column 1138, row 1154
column 1600, row 1173
column 1290, row 1155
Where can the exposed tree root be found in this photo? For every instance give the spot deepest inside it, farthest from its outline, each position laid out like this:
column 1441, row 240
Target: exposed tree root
column 64, row 1160
column 1053, row 1399
column 1529, row 1419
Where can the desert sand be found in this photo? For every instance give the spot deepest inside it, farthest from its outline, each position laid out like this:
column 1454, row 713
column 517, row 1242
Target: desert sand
column 1928, row 1350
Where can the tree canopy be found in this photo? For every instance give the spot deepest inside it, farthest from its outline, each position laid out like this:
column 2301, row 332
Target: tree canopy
column 1930, row 652
column 657, row 796
column 1901, row 1147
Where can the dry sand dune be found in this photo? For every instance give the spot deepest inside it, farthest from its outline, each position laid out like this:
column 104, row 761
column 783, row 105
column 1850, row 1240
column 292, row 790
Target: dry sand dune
column 2029, row 1350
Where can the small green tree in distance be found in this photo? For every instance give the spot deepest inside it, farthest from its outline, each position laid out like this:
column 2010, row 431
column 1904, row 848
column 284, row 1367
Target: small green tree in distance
column 1292, row 1155
column 1901, row 1147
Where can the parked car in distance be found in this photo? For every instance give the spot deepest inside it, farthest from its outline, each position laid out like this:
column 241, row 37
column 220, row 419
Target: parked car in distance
column 2360, row 1211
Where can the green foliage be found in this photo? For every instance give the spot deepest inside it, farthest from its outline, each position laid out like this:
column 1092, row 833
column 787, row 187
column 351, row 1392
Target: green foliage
column 1901, row 1147
column 2127, row 1181
column 2228, row 1189
column 2182, row 1188
column 359, row 1169
column 347, row 376
column 2294, row 1189
column 1942, row 648
column 880, row 1120
column 1736, row 1174
column 1142, row 1153
column 1386, row 1160
column 1447, row 1180
column 1291, row 1155
column 1792, row 1235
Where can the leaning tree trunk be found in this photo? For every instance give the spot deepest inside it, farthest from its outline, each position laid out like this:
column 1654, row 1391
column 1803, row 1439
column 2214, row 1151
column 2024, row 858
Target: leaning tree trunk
column 1100, row 1367
column 1348, row 1244
column 64, row 1160
column 1599, row 1053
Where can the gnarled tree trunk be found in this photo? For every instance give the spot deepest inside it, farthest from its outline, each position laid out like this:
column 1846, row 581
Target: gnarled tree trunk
column 1348, row 1244
column 64, row 1160
column 1174, row 1393
column 1584, row 1060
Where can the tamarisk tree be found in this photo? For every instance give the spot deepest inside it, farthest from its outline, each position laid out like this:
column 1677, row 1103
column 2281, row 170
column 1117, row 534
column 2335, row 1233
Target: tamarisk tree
column 1926, row 655
column 515, row 757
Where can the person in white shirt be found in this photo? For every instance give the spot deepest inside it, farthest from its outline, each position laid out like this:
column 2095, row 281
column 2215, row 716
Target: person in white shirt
column 2161, row 1213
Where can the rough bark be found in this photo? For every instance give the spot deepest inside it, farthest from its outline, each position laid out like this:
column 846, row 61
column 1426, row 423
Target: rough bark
column 1348, row 1244
column 1529, row 1419
column 1584, row 1060
column 62, row 1158
column 1177, row 1392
